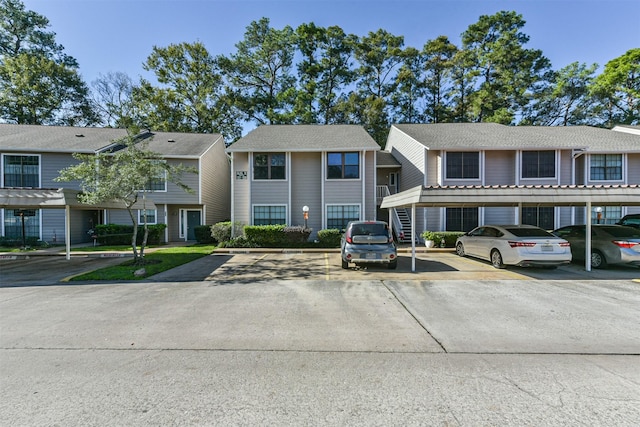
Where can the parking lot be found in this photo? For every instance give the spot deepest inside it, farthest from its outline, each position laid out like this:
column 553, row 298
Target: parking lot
column 250, row 266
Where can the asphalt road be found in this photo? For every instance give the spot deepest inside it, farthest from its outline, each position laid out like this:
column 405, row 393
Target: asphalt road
column 253, row 344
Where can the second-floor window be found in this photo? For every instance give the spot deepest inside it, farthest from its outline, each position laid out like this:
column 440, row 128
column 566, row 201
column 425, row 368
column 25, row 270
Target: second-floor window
column 21, row 171
column 269, row 166
column 539, row 164
column 343, row 165
column 158, row 183
column 463, row 165
column 606, row 167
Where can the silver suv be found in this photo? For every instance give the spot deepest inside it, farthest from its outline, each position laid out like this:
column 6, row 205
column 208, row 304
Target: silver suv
column 368, row 242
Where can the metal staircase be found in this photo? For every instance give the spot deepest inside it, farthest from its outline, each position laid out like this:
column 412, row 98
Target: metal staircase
column 404, row 219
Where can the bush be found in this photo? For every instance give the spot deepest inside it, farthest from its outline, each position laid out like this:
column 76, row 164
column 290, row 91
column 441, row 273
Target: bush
column 204, row 234
column 120, row 234
column 221, row 231
column 266, row 236
column 297, row 235
column 329, row 238
column 449, row 237
column 31, row 241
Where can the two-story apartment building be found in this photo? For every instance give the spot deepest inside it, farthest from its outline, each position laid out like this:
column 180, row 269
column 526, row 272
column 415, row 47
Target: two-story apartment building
column 276, row 170
column 488, row 155
column 32, row 156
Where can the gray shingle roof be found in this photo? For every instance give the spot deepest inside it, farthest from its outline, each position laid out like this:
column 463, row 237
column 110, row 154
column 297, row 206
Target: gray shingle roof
column 63, row 139
column 492, row 136
column 271, row 138
column 386, row 159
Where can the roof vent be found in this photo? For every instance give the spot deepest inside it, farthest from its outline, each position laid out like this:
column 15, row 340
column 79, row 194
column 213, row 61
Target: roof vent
column 79, row 135
column 171, row 140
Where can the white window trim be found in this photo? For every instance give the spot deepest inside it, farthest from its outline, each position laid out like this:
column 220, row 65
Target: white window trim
column 39, row 156
column 286, row 210
column 546, row 178
column 325, row 166
column 326, row 211
column 605, row 181
column 480, row 168
column 149, row 223
column 287, row 162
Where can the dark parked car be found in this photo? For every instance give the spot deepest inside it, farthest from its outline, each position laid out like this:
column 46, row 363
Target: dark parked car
column 631, row 220
column 368, row 242
column 610, row 244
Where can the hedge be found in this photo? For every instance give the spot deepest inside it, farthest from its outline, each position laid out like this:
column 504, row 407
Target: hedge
column 119, row 234
column 449, row 237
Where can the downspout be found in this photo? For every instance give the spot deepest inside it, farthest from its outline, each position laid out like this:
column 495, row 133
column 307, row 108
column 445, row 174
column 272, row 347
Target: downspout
column 233, row 195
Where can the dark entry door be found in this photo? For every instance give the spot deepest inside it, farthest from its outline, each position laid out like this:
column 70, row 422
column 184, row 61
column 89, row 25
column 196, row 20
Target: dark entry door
column 193, row 220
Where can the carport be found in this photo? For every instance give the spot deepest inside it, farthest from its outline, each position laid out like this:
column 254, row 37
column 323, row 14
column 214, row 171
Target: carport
column 513, row 196
column 60, row 198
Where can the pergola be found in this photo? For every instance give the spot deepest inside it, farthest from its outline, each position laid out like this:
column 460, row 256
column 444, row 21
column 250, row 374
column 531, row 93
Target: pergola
column 513, row 196
column 60, row 198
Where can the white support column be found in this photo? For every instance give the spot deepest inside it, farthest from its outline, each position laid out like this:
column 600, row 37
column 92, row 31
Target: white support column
column 587, row 239
column 413, row 238
column 67, row 230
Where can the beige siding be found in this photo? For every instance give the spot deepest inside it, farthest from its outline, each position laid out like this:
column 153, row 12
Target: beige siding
column 411, row 154
column 370, row 185
column 176, row 195
column 565, row 167
column 215, row 178
column 499, row 167
column 633, row 169
column 270, row 192
column 306, row 189
column 241, row 188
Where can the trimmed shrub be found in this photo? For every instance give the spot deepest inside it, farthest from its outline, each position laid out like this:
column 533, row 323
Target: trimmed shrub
column 297, row 235
column 329, row 238
column 266, row 236
column 449, row 237
column 120, row 234
column 221, row 231
column 204, row 234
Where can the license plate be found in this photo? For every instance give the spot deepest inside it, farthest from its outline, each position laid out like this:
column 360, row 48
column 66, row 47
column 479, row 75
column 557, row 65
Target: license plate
column 371, row 256
column 547, row 248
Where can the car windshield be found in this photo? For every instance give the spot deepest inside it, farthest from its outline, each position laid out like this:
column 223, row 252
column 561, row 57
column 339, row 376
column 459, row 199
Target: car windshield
column 372, row 229
column 622, row 232
column 529, row 232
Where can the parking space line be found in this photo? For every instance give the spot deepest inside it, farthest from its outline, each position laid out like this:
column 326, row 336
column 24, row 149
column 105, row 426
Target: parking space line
column 327, row 267
column 251, row 264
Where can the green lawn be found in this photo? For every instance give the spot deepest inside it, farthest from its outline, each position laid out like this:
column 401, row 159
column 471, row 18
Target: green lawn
column 157, row 262
column 102, row 248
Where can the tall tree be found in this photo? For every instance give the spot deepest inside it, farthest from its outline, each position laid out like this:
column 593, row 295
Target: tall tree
column 379, row 56
column 463, row 75
column 324, row 72
column 122, row 176
column 39, row 83
column 191, row 96
column 617, row 90
column 563, row 99
column 506, row 70
column 438, row 66
column 112, row 99
column 259, row 78
column 406, row 99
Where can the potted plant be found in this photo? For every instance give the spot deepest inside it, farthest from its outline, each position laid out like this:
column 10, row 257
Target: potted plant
column 429, row 238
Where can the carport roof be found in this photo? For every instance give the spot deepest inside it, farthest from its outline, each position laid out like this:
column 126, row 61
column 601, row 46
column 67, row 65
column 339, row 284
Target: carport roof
column 514, row 195
column 52, row 198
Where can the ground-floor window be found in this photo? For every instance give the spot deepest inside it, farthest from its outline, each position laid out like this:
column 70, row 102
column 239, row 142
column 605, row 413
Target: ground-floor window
column 339, row 215
column 607, row 214
column 150, row 214
column 542, row 217
column 462, row 219
column 13, row 223
column 269, row 215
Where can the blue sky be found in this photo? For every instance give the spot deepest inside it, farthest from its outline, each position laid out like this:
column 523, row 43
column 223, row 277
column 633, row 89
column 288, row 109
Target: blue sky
column 118, row 35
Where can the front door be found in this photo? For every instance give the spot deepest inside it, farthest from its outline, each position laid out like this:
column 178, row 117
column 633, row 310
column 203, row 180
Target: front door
column 393, row 182
column 193, row 220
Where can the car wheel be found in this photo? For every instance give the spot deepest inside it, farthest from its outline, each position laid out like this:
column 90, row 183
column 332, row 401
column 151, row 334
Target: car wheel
column 345, row 264
column 496, row 259
column 393, row 265
column 598, row 260
column 460, row 249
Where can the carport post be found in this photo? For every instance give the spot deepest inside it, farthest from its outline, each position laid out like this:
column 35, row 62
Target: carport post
column 587, row 239
column 413, row 237
column 67, row 229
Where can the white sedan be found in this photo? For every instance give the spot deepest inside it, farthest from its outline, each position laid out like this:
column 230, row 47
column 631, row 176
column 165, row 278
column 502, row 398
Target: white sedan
column 520, row 245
